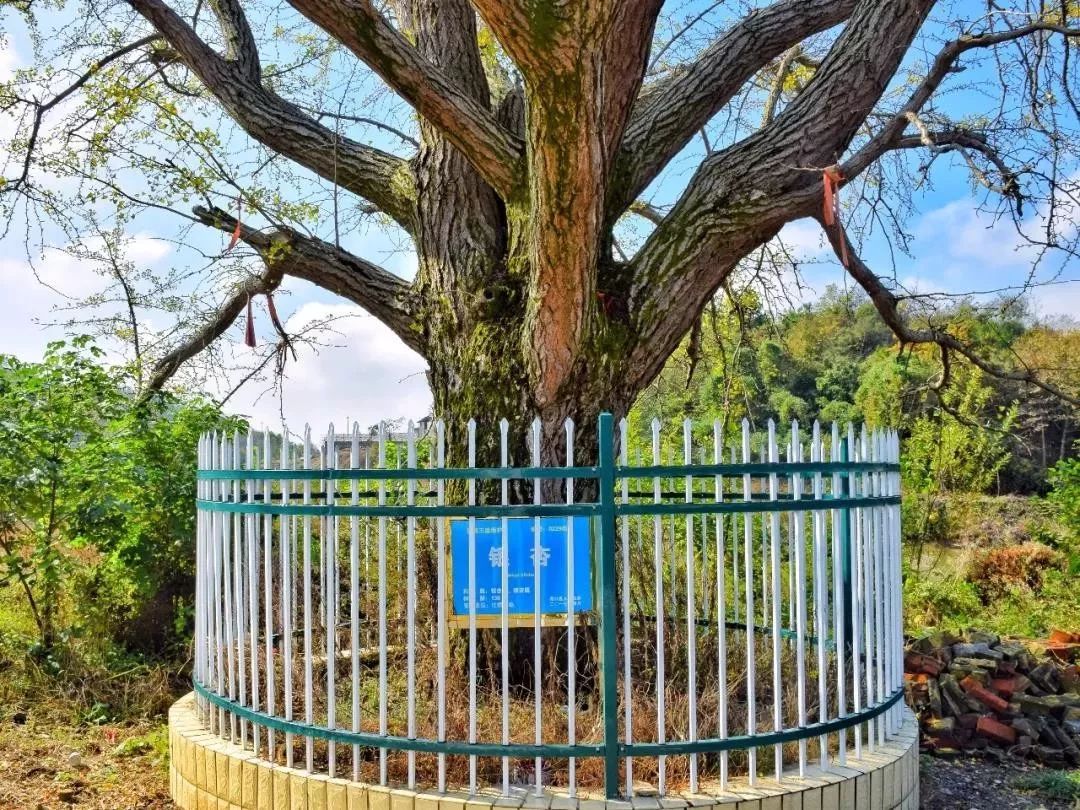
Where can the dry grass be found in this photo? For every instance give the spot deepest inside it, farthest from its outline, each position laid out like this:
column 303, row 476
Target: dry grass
column 589, row 721
column 121, row 766
column 80, row 698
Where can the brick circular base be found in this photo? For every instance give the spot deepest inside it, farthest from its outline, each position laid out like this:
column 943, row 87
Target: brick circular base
column 209, row 773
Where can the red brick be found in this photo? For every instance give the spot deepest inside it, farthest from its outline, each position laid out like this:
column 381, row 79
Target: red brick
column 915, row 662
column 1010, row 686
column 998, row 732
column 1064, row 637
column 984, row 696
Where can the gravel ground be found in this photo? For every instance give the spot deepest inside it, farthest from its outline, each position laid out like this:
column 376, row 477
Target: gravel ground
column 972, row 783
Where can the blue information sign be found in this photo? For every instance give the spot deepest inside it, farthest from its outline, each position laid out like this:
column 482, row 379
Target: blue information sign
column 519, row 538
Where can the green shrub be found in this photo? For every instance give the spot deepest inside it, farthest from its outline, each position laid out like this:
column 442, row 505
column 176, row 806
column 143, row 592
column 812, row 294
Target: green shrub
column 97, row 511
column 1065, row 480
column 946, row 602
column 1058, row 786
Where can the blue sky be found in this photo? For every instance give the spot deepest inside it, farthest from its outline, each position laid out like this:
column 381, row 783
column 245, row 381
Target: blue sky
column 363, row 372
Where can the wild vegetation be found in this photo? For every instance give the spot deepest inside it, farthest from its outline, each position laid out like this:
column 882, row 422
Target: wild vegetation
column 98, row 515
column 990, row 474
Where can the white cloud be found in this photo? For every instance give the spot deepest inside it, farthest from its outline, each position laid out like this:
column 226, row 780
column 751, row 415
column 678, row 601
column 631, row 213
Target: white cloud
column 34, row 288
column 960, row 249
column 1058, row 299
column 30, row 301
column 10, row 60
column 960, row 237
column 805, row 239
column 366, row 375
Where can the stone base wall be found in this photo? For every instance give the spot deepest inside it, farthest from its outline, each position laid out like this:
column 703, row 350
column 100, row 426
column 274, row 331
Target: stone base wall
column 209, row 773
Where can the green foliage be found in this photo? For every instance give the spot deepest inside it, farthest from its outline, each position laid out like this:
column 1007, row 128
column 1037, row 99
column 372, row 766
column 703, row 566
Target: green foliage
column 950, row 603
column 962, row 446
column 1065, row 480
column 1005, row 564
column 974, row 435
column 154, row 744
column 97, row 517
column 835, row 360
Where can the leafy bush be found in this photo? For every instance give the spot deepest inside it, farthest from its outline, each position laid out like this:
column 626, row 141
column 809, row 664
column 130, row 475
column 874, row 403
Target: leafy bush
column 947, row 602
column 962, row 447
column 1065, row 479
column 97, row 512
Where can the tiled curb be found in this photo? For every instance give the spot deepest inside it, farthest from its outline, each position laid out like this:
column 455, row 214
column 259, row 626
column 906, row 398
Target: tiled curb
column 209, row 773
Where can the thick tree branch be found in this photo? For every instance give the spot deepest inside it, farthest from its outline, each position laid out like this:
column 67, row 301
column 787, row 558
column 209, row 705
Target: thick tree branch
column 292, row 253
column 212, row 329
column 647, row 211
column 965, row 142
column 741, row 197
column 888, row 307
column 287, row 252
column 671, row 111
column 467, row 123
column 240, row 43
column 378, row 176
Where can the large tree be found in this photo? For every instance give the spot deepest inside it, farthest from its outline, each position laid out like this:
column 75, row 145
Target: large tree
column 535, row 129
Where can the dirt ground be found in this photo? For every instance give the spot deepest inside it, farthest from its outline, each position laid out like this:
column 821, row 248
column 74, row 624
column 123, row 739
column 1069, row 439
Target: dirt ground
column 972, row 783
column 44, row 766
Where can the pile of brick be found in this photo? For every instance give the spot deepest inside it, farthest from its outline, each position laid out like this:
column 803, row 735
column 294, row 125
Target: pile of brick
column 982, row 692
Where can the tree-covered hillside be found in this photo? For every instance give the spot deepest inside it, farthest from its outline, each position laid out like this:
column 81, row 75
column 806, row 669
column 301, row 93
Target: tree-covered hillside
column 967, row 430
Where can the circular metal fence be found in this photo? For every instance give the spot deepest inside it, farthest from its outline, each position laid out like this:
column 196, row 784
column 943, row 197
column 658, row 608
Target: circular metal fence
column 679, row 613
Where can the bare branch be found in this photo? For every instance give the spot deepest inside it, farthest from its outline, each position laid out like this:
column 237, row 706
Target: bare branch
column 741, row 197
column 777, row 89
column 212, row 329
column 378, row 291
column 888, row 307
column 360, row 119
column 944, row 64
column 672, row 110
column 385, row 180
column 963, row 141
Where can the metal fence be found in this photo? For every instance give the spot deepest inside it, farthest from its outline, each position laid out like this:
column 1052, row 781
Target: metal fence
column 365, row 610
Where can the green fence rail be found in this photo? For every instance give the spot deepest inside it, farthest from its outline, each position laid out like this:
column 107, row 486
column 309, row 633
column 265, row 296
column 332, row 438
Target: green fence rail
column 257, row 589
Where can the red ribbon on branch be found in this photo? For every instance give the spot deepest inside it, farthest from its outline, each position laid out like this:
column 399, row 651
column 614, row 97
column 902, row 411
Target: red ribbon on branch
column 236, row 231
column 249, row 329
column 832, row 178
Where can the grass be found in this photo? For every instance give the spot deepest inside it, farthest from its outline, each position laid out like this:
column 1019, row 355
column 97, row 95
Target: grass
column 47, row 764
column 946, row 586
column 1059, row 786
